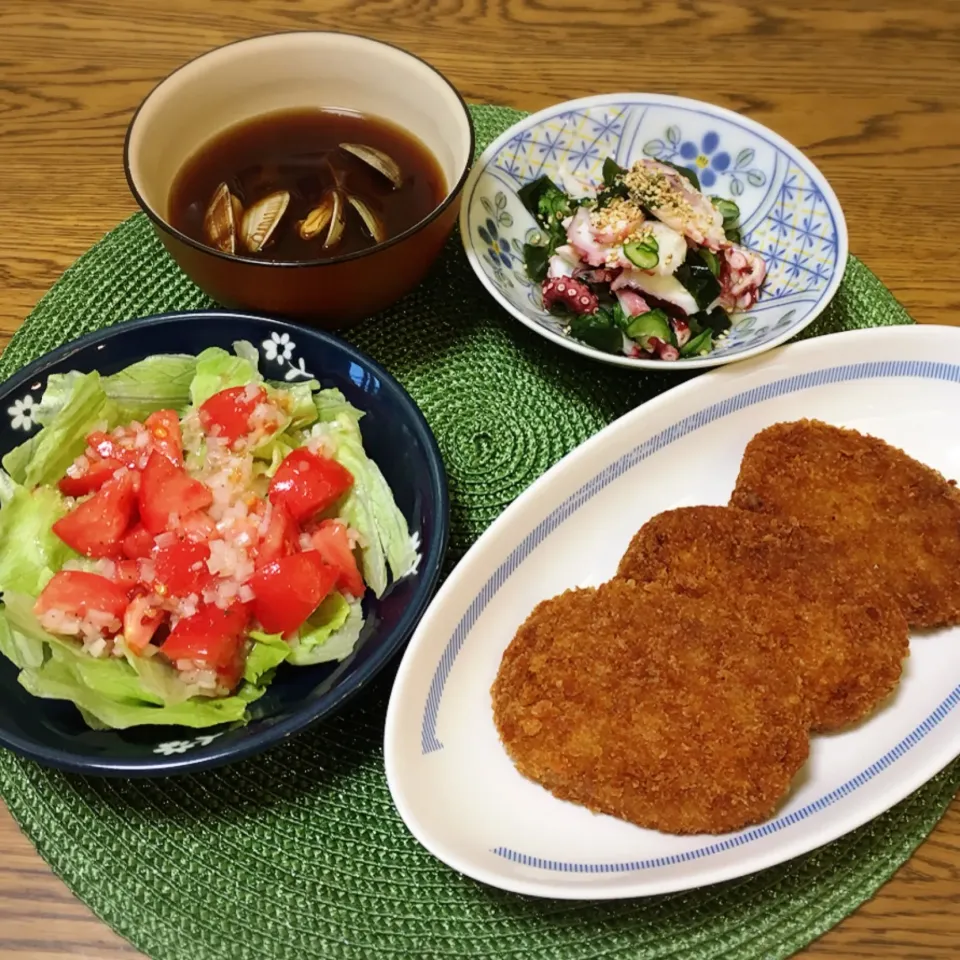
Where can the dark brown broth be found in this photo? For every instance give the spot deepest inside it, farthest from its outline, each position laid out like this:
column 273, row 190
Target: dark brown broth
column 290, row 150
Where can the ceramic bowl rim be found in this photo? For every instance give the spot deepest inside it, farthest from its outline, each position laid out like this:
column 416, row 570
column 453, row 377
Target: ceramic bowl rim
column 432, row 553
column 163, row 224
column 684, row 364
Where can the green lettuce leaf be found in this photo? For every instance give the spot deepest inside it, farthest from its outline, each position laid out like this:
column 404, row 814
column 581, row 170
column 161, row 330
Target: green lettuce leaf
column 330, row 633
column 156, row 383
column 273, row 452
column 247, row 351
column 22, row 651
column 110, row 692
column 7, row 488
column 217, row 370
column 269, row 651
column 31, row 551
column 60, row 679
column 303, row 411
column 370, row 509
column 73, row 405
column 158, row 680
column 332, row 405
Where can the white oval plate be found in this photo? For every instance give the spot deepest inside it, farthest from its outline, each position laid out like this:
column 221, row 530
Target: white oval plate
column 449, row 775
column 790, row 216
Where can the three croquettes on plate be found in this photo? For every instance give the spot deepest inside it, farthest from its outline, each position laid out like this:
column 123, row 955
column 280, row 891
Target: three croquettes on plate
column 717, row 635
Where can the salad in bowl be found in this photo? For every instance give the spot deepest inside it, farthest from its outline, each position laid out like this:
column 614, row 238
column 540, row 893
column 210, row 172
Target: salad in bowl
column 646, row 266
column 178, row 530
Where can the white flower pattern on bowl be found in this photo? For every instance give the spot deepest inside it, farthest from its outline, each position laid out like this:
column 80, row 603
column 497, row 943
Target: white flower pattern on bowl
column 279, row 348
column 23, row 413
column 171, row 747
column 789, row 215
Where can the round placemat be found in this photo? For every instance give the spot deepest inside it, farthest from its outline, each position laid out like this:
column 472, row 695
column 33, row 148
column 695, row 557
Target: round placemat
column 299, row 853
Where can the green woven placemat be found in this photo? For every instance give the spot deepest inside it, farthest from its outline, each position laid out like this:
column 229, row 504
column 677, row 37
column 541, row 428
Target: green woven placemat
column 300, row 853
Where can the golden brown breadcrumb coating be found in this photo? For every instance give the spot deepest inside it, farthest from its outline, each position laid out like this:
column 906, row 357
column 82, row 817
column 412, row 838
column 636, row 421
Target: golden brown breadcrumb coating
column 883, row 509
column 653, row 707
column 847, row 637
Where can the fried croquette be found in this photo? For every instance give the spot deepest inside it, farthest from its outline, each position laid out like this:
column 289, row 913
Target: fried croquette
column 847, row 637
column 652, row 707
column 882, row 509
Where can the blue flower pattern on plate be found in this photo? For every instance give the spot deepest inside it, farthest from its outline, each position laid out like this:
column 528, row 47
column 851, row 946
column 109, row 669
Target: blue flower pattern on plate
column 503, row 254
column 788, row 213
column 706, row 161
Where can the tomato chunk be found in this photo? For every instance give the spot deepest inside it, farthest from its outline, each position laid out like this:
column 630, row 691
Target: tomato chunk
column 306, row 484
column 127, row 574
column 138, row 542
column 288, row 590
column 165, row 436
column 332, row 542
column 196, row 526
column 227, row 413
column 280, row 538
column 110, row 448
column 181, row 568
column 212, row 637
column 167, row 490
column 140, row 622
column 96, row 527
column 93, row 478
column 77, row 593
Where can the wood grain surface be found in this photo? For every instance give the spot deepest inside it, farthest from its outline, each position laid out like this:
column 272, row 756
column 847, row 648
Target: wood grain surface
column 871, row 91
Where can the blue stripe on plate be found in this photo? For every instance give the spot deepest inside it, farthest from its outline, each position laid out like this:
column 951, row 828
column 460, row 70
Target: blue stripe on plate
column 774, row 826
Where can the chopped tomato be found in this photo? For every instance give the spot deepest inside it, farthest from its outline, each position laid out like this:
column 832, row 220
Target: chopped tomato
column 165, row 436
column 110, row 448
column 306, row 483
column 197, row 526
column 166, row 490
column 93, row 478
column 181, row 568
column 138, row 542
column 288, row 590
column 212, row 637
column 127, row 574
column 140, row 623
column 76, row 593
column 96, row 526
column 332, row 542
column 280, row 538
column 229, row 411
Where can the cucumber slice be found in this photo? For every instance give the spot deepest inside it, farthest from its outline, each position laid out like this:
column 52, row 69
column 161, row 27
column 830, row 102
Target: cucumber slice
column 653, row 323
column 710, row 259
column 727, row 209
column 702, row 343
column 644, row 254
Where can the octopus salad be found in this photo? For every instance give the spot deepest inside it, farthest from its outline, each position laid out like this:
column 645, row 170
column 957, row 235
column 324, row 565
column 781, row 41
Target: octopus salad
column 646, row 266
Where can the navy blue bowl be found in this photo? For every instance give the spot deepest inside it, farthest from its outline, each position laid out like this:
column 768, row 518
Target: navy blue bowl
column 395, row 436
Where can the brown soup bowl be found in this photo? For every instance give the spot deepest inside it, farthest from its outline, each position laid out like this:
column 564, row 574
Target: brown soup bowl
column 289, row 71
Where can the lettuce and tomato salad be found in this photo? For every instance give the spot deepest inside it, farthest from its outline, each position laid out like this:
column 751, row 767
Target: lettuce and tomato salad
column 178, row 530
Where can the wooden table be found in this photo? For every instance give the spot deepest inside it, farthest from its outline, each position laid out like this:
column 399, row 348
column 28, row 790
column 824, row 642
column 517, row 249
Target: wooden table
column 871, row 93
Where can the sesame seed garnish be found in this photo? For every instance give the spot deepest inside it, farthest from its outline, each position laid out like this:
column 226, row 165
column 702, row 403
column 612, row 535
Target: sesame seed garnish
column 651, row 189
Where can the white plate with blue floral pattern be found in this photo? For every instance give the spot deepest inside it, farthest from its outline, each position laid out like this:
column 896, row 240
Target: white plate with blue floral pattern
column 790, row 215
column 451, row 778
